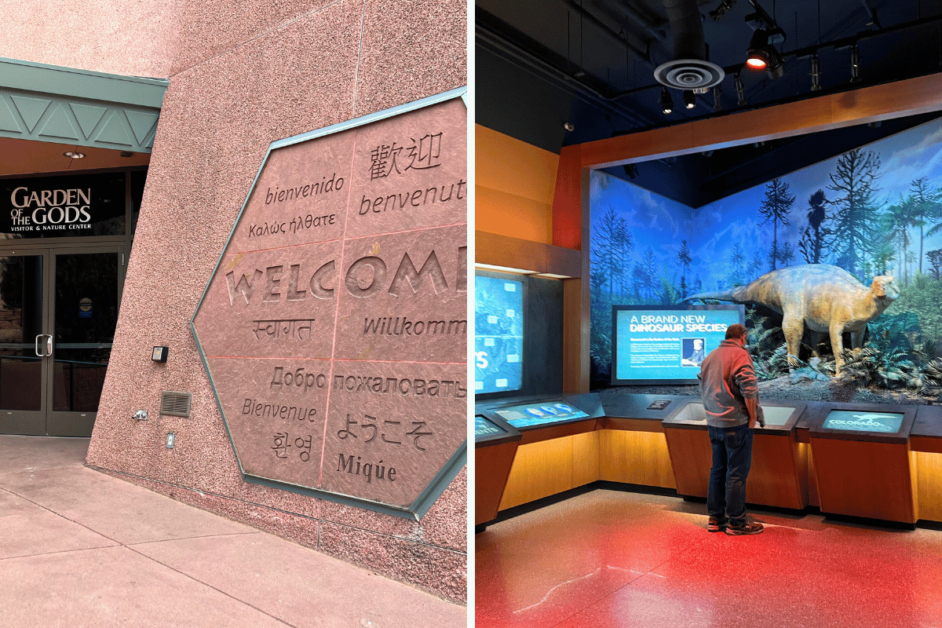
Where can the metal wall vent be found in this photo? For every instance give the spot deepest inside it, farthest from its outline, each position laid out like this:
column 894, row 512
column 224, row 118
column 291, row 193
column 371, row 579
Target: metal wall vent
column 175, row 403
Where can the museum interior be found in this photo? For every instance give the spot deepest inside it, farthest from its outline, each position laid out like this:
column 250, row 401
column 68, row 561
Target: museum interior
column 647, row 174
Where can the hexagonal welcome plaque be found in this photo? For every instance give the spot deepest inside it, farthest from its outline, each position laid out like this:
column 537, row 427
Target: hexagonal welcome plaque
column 334, row 327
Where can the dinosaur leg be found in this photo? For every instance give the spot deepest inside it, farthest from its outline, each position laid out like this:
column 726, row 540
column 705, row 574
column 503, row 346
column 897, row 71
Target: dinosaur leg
column 792, row 327
column 856, row 340
column 837, row 344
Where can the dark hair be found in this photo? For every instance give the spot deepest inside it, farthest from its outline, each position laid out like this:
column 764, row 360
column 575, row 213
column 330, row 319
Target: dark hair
column 736, row 331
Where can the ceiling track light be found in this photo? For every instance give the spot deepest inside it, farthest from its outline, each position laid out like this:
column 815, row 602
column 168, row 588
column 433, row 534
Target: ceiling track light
column 762, row 55
column 667, row 103
column 854, row 64
column 740, row 92
column 815, row 74
column 690, row 99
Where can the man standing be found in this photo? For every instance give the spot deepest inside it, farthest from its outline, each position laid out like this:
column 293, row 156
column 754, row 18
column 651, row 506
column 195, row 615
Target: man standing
column 730, row 396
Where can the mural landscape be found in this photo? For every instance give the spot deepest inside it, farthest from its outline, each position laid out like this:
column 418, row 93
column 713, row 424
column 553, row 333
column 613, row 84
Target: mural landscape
column 874, row 211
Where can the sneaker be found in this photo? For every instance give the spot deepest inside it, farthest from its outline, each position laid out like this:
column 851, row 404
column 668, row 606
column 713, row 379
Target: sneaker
column 750, row 527
column 716, row 524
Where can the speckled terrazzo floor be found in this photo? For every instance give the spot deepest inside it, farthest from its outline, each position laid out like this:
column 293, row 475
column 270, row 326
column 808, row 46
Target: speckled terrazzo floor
column 610, row 558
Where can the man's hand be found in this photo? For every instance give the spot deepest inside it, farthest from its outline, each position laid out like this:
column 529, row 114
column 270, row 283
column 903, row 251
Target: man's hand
column 760, row 416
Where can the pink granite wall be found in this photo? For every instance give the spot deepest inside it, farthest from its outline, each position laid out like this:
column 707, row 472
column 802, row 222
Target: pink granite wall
column 245, row 74
column 126, row 37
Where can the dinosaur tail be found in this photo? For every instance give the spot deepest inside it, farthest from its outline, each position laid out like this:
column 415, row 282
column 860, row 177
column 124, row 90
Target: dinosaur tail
column 736, row 295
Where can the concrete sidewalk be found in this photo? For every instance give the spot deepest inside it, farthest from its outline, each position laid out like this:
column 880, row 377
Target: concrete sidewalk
column 81, row 548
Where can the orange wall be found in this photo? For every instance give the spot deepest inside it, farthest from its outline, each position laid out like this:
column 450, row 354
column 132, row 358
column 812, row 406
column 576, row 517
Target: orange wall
column 514, row 187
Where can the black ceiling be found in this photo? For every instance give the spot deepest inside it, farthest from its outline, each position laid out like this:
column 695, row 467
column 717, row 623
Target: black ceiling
column 540, row 64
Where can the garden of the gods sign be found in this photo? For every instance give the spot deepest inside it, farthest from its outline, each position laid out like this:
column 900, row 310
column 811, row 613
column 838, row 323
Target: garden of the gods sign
column 334, row 328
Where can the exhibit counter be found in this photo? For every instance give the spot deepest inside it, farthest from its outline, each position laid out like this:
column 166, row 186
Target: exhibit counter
column 495, row 445
column 863, row 460
column 870, row 461
column 558, row 448
column 779, row 470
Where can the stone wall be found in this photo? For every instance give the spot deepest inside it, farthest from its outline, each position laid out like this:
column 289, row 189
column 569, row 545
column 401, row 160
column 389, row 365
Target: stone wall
column 244, row 74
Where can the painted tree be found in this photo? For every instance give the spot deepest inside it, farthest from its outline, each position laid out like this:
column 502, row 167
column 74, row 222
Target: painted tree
column 685, row 259
column 738, row 262
column 883, row 254
column 855, row 216
column 935, row 260
column 649, row 264
column 606, row 246
column 786, row 254
column 755, row 265
column 894, row 225
column 925, row 208
column 775, row 207
column 623, row 246
column 814, row 237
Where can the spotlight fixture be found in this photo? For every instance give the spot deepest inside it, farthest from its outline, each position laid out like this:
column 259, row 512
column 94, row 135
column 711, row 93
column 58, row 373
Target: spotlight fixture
column 71, row 154
column 690, row 99
column 815, row 74
column 740, row 92
column 569, row 126
column 854, row 64
column 667, row 103
column 762, row 55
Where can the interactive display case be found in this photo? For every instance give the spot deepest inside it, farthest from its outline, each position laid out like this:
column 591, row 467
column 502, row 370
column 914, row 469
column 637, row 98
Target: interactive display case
column 495, row 445
column 545, row 418
column 862, row 460
column 779, row 467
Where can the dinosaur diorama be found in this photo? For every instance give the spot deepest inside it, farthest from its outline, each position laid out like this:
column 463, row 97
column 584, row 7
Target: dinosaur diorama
column 818, row 298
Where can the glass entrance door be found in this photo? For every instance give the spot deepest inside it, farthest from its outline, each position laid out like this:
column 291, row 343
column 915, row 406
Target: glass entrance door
column 58, row 312
column 22, row 326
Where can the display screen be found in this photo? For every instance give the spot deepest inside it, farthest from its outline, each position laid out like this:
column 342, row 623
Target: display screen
column 483, row 427
column 498, row 334
column 858, row 421
column 669, row 344
column 539, row 413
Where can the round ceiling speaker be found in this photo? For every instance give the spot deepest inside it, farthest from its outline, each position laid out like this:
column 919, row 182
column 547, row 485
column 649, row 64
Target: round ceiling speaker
column 689, row 74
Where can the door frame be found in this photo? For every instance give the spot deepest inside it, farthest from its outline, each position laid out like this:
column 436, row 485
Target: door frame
column 31, row 422
column 47, row 421
column 67, row 422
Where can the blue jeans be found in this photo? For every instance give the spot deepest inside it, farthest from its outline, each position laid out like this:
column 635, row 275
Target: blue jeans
column 732, row 458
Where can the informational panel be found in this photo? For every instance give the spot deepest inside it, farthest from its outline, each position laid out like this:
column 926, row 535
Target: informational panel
column 667, row 345
column 498, row 334
column 542, row 413
column 334, row 328
column 63, row 206
column 484, row 427
column 861, row 421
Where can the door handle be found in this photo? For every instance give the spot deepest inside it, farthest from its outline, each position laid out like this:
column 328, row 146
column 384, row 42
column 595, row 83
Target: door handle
column 49, row 346
column 36, row 345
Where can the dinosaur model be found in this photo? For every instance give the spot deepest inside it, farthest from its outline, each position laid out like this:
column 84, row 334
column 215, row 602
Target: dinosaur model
column 821, row 298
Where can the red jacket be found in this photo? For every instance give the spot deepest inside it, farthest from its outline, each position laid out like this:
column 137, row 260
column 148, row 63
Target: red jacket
column 727, row 379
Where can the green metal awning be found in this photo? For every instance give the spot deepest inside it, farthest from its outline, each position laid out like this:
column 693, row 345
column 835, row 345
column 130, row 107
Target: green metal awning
column 46, row 103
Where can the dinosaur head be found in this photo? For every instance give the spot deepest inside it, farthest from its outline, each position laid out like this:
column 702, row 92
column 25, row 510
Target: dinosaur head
column 884, row 290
